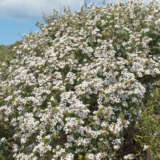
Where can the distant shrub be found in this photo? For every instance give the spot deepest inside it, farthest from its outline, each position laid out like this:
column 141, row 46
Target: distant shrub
column 4, row 52
column 76, row 90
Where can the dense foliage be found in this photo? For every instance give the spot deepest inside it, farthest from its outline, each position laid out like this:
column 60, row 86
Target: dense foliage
column 147, row 130
column 76, row 90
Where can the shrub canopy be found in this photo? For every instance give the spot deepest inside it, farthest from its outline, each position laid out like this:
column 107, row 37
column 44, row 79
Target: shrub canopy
column 73, row 90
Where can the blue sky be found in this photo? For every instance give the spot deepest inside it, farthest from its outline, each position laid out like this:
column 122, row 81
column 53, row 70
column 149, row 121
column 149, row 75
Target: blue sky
column 18, row 17
column 12, row 30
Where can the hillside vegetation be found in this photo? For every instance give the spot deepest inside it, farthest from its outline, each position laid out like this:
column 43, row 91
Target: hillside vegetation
column 4, row 52
column 85, row 88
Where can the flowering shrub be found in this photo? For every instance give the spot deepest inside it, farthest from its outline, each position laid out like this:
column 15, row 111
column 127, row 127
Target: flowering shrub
column 73, row 91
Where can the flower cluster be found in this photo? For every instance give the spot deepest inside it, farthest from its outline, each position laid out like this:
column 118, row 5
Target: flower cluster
column 73, row 89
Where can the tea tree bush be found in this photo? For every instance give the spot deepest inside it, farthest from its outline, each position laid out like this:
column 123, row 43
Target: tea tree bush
column 75, row 91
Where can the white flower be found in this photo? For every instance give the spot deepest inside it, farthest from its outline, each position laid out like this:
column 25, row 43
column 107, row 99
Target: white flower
column 116, row 147
column 69, row 156
column 90, row 156
column 157, row 22
column 3, row 139
column 129, row 157
column 145, row 147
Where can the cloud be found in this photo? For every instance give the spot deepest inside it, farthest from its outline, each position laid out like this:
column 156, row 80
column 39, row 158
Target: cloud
column 24, row 9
